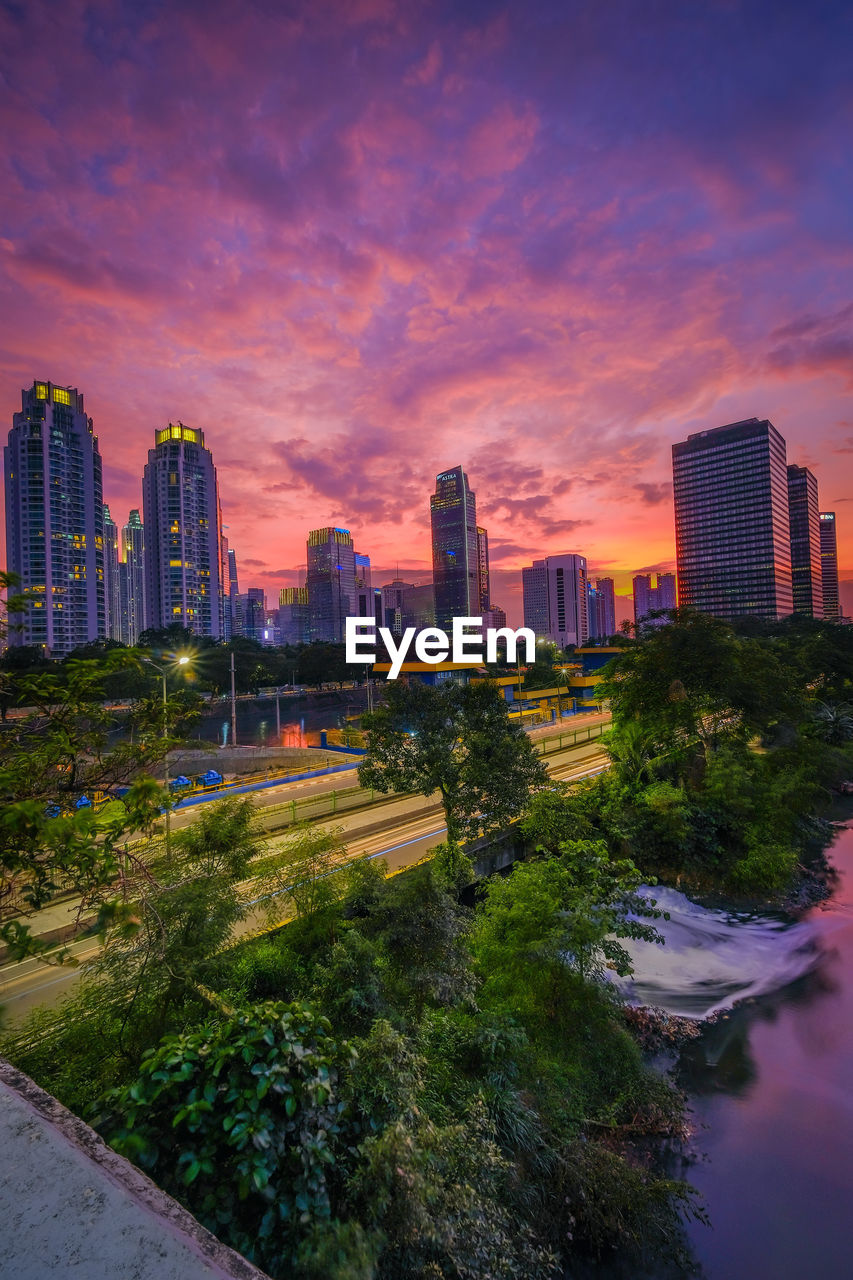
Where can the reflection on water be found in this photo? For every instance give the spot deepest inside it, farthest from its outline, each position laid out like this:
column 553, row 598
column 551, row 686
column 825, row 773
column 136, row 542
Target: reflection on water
column 296, row 722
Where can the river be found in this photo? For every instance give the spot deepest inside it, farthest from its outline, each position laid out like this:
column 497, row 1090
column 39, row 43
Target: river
column 770, row 1083
column 300, row 717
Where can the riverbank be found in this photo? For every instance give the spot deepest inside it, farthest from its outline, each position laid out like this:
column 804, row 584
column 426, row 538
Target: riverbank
column 767, row 1081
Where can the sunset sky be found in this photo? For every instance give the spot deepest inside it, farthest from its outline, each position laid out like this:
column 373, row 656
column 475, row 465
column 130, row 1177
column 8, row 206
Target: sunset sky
column 358, row 243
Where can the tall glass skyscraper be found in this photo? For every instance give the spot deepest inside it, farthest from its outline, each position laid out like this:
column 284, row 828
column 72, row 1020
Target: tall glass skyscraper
column 112, row 576
column 829, row 566
column 183, row 573
column 55, row 520
column 132, row 573
column 455, row 548
column 331, row 582
column 804, row 518
column 732, row 534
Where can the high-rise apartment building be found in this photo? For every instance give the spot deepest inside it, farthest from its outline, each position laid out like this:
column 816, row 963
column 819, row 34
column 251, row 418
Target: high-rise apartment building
column 112, row 577
column 555, row 599
column 804, row 521
column 55, row 520
column 293, row 615
column 650, row 599
column 183, row 572
column 484, row 588
column 330, row 580
column 732, row 533
column 601, row 609
column 132, row 576
column 829, row 567
column 455, row 548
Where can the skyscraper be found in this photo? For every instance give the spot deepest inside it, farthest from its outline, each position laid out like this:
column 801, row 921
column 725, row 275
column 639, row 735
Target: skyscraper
column 804, row 518
column 649, row 599
column 829, row 566
column 55, row 520
column 293, row 615
column 132, row 573
column 455, row 548
column 254, row 613
column 484, row 588
column 601, row 609
column 183, row 574
column 331, row 582
column 112, row 577
column 555, row 599
column 732, row 532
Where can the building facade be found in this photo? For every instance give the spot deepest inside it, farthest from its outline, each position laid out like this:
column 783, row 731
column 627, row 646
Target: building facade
column 732, row 533
column 483, row 585
column 650, row 599
column 112, row 577
column 183, row 570
column 331, row 583
column 601, row 609
column 829, row 567
column 455, row 548
column 132, row 578
column 293, row 615
column 555, row 599
column 804, row 523
column 55, row 521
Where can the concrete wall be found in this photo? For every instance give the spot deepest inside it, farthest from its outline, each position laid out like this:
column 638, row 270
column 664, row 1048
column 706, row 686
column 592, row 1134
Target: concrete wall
column 237, row 761
column 71, row 1208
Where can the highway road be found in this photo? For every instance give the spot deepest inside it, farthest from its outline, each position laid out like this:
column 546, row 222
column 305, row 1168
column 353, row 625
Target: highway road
column 401, row 831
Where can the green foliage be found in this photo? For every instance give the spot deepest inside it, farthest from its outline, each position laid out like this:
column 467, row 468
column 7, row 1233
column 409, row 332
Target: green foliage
column 457, row 740
column 243, row 1122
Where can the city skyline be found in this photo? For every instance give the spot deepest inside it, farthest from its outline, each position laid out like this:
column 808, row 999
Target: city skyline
column 354, row 251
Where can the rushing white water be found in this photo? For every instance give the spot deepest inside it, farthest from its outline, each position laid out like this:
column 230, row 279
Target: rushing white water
column 714, row 958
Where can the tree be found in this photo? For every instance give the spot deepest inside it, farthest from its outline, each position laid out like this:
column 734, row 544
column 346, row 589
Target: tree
column 243, row 1121
column 457, row 740
column 63, row 750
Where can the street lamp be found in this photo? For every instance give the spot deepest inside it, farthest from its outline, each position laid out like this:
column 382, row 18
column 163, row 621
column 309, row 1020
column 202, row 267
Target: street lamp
column 181, row 662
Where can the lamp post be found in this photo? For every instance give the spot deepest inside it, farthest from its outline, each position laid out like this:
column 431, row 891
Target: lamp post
column 233, row 705
column 181, row 662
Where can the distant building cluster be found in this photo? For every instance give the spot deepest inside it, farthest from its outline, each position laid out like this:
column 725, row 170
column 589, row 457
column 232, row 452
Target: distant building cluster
column 750, row 540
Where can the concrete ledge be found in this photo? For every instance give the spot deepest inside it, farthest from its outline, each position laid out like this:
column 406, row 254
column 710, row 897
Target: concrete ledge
column 71, row 1207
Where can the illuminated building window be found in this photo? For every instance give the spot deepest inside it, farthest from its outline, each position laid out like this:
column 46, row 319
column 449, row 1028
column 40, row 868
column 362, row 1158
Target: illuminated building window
column 41, row 391
column 60, row 396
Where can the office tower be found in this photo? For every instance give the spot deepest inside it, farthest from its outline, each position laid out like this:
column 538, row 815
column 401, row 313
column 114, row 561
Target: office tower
column 642, row 587
column 804, row 518
column 605, row 608
column 483, row 586
column 227, row 612
column 132, row 573
column 55, row 521
column 829, row 566
column 235, row 623
column 650, row 599
column 455, row 558
column 254, row 613
column 365, row 605
column 555, row 599
column 407, row 604
column 494, row 616
column 112, row 578
column 732, row 535
column 293, row 615
column 331, row 583
column 183, row 573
